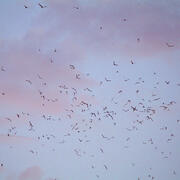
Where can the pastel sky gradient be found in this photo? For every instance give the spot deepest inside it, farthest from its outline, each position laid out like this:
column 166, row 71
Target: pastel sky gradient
column 71, row 74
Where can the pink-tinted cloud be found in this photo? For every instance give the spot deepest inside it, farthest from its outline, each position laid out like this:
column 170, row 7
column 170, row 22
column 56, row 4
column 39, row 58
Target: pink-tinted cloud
column 144, row 20
column 24, row 62
column 5, row 139
column 32, row 173
column 76, row 33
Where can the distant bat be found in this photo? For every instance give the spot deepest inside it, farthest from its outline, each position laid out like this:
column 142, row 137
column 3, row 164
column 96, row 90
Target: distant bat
column 114, row 63
column 42, row 5
column 169, row 45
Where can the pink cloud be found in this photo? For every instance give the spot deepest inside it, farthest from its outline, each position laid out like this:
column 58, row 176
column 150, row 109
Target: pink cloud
column 5, row 139
column 32, row 173
column 153, row 22
column 76, row 34
column 22, row 62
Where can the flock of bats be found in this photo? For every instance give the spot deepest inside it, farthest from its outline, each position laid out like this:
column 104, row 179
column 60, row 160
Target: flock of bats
column 143, row 110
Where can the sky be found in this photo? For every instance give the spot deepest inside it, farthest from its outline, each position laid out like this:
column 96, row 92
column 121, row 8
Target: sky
column 89, row 89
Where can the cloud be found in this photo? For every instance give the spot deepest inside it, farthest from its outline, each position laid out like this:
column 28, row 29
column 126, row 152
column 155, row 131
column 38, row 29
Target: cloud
column 22, row 63
column 32, row 173
column 76, row 33
column 153, row 22
column 5, row 139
